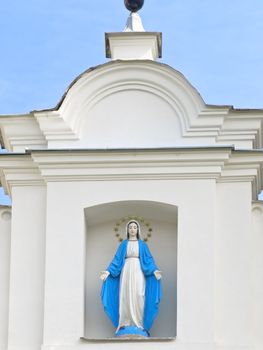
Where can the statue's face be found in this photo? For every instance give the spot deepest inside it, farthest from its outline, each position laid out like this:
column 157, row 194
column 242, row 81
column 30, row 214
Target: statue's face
column 133, row 229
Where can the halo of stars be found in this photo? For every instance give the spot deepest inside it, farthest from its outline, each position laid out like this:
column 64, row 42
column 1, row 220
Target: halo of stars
column 143, row 222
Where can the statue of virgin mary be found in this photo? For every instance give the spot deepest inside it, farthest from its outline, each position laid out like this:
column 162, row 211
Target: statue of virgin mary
column 131, row 289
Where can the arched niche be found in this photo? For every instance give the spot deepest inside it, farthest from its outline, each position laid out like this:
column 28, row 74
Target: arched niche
column 101, row 244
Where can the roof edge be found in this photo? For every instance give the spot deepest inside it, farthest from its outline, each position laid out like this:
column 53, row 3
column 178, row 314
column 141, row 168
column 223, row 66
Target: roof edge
column 115, row 62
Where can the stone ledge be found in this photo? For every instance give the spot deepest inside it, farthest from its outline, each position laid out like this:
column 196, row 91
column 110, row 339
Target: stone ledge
column 131, row 339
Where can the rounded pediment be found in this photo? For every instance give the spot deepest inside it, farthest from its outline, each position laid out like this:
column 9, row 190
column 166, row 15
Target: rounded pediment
column 124, row 104
column 130, row 103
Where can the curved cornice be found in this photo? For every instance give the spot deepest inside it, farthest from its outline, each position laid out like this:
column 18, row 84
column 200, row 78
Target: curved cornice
column 97, row 83
column 220, row 164
column 117, row 63
column 199, row 123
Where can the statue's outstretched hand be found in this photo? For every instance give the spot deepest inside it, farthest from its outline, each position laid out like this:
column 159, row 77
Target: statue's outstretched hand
column 158, row 274
column 104, row 275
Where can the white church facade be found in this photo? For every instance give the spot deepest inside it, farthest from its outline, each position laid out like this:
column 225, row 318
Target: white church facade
column 132, row 138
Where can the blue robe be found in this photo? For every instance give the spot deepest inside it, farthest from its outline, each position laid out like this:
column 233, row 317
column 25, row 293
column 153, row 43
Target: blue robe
column 110, row 287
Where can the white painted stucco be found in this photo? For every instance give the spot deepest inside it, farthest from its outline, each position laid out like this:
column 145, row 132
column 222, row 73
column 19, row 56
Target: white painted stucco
column 5, row 237
column 26, row 295
column 132, row 137
column 65, row 204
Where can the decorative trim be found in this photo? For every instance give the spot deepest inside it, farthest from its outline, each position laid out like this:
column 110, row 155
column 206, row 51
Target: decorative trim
column 220, row 164
column 200, row 122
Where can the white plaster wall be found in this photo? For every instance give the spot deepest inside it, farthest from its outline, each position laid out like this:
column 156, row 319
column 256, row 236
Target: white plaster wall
column 65, row 255
column 233, row 308
column 257, row 275
column 131, row 118
column 196, row 217
column 5, row 237
column 101, row 247
column 65, row 265
column 27, row 267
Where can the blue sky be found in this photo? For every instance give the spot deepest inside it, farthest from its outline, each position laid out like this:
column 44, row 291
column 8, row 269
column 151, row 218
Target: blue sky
column 45, row 44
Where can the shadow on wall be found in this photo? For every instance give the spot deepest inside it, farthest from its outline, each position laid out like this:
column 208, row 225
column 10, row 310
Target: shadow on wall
column 4, row 199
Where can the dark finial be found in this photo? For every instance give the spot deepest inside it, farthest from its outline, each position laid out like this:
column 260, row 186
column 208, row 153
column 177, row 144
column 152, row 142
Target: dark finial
column 133, row 5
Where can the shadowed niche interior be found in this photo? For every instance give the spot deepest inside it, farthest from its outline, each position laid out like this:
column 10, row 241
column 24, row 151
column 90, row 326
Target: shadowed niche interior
column 105, row 226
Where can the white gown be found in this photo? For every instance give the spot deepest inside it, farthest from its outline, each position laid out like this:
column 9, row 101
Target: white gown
column 132, row 289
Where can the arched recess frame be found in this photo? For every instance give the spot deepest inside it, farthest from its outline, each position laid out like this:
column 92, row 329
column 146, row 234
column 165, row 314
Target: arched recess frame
column 101, row 244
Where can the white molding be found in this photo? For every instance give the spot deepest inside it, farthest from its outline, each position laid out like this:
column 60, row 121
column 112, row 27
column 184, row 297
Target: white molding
column 220, row 164
column 133, row 45
column 20, row 132
column 142, row 345
column 53, row 126
column 18, row 170
column 200, row 124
